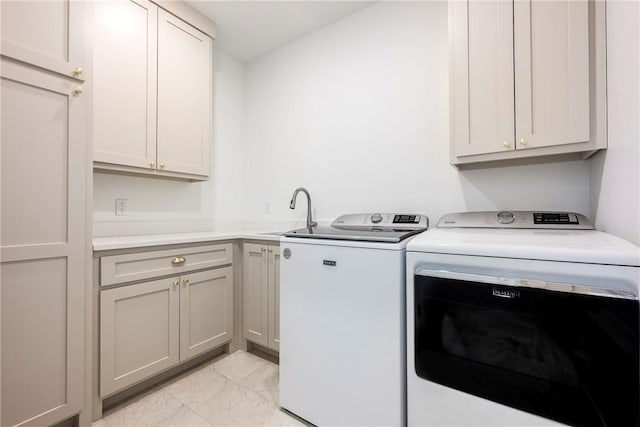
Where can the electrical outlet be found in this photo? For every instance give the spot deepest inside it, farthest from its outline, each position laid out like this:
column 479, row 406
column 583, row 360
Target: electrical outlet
column 267, row 208
column 121, row 207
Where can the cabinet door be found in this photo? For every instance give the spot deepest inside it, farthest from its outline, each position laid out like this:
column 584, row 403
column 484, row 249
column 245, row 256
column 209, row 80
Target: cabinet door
column 551, row 72
column 43, row 239
column 274, row 298
column 481, row 46
column 125, row 64
column 138, row 332
column 184, row 97
column 53, row 39
column 206, row 311
column 255, row 293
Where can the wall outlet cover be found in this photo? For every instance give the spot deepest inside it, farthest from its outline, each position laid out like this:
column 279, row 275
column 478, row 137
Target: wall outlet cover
column 121, row 207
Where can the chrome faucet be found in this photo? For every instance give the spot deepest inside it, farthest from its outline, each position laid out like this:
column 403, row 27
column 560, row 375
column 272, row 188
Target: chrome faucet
column 310, row 223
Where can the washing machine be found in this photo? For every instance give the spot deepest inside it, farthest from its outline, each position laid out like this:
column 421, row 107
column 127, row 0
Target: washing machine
column 342, row 320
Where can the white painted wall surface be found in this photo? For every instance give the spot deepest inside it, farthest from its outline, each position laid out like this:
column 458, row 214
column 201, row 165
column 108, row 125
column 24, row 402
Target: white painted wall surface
column 615, row 173
column 228, row 163
column 358, row 113
column 167, row 206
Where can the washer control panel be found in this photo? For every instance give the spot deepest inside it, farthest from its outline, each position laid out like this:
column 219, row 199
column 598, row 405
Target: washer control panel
column 396, row 221
column 516, row 219
column 406, row 219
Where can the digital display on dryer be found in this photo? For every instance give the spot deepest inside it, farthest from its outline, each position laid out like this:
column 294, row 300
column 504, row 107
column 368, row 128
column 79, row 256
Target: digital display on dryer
column 554, row 218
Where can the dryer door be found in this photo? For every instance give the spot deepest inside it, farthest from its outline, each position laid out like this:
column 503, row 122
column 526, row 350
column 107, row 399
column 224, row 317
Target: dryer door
column 563, row 351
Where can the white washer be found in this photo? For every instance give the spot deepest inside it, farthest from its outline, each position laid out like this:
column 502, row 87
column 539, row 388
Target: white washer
column 342, row 320
column 524, row 318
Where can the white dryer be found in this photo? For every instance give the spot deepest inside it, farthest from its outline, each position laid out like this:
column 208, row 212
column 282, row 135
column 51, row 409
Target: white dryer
column 522, row 318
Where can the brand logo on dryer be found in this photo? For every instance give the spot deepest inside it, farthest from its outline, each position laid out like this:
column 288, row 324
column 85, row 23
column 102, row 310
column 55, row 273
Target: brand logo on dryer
column 505, row 293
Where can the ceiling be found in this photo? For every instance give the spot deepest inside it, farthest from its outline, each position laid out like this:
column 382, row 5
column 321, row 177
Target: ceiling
column 249, row 29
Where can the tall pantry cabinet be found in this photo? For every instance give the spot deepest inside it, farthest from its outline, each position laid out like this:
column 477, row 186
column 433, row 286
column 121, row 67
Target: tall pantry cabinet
column 44, row 241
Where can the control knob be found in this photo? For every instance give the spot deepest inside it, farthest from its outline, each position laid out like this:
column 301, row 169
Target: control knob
column 376, row 218
column 505, row 217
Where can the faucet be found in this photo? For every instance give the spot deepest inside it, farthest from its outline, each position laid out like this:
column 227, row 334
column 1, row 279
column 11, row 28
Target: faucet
column 310, row 223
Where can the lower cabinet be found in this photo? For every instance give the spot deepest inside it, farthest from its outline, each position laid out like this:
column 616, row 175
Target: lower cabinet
column 261, row 294
column 149, row 327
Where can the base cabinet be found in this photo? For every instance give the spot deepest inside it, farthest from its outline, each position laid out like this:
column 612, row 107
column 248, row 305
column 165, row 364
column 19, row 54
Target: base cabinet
column 206, row 314
column 261, row 294
column 149, row 327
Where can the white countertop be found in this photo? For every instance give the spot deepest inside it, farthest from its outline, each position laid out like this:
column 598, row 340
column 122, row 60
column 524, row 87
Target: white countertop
column 126, row 242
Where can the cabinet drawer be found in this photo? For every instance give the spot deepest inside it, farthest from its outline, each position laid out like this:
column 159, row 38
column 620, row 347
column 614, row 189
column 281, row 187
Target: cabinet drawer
column 116, row 269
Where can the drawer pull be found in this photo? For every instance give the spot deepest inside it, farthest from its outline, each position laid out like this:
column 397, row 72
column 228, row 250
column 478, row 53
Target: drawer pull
column 178, row 260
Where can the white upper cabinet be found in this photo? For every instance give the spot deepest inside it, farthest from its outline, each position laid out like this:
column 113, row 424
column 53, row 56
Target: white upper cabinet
column 125, row 62
column 54, row 38
column 184, row 97
column 153, row 99
column 482, row 55
column 551, row 72
column 527, row 79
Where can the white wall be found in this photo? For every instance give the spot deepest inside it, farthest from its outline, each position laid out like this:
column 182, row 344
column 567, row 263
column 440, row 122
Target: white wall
column 165, row 206
column 228, row 152
column 358, row 113
column 615, row 173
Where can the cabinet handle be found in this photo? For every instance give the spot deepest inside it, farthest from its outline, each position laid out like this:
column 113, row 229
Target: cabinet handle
column 262, row 249
column 178, row 260
column 176, row 283
column 153, row 165
column 78, row 91
column 161, row 165
column 185, row 281
column 270, row 250
column 524, row 141
column 506, row 144
column 77, row 71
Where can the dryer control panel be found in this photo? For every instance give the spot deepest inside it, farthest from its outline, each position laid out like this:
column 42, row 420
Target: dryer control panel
column 516, row 219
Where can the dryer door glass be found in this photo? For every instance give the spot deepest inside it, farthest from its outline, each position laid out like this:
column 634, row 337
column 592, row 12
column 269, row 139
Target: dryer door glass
column 569, row 357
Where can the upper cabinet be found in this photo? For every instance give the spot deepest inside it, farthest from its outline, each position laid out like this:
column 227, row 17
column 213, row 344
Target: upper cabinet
column 527, row 79
column 153, row 92
column 184, row 97
column 125, row 69
column 55, row 38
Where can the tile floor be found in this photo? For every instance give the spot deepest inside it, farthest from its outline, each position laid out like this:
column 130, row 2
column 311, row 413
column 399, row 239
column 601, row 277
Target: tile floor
column 240, row 389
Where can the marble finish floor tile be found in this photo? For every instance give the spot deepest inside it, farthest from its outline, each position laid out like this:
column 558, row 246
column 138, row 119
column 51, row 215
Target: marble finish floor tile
column 185, row 418
column 265, row 381
column 236, row 406
column 239, row 389
column 198, row 387
column 239, row 365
